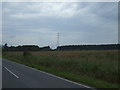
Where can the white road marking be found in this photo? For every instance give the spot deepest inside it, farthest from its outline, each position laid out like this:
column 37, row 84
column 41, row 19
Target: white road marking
column 11, row 72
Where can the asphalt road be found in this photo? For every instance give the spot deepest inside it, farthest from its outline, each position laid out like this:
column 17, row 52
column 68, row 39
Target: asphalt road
column 16, row 75
column 0, row 73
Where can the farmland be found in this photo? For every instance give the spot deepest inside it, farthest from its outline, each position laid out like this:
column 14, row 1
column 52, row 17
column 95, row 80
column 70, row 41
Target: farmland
column 97, row 68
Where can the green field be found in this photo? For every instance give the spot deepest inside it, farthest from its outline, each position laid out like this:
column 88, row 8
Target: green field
column 96, row 68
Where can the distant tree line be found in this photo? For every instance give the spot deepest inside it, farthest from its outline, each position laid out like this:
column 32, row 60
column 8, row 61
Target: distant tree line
column 65, row 48
column 25, row 48
column 90, row 47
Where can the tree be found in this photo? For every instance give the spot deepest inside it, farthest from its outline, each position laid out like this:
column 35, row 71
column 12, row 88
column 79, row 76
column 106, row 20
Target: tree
column 5, row 46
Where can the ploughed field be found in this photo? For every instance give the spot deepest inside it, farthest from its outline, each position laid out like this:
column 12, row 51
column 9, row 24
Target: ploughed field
column 98, row 64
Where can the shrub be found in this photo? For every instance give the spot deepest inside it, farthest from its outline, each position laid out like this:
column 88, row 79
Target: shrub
column 26, row 53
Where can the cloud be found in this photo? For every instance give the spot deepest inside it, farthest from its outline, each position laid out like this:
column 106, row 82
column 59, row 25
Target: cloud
column 77, row 23
column 37, row 10
column 41, row 39
column 0, row 23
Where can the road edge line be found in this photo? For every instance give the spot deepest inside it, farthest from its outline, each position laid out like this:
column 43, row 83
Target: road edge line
column 62, row 78
column 59, row 77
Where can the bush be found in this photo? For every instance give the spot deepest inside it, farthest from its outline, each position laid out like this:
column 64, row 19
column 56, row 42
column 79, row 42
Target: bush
column 26, row 53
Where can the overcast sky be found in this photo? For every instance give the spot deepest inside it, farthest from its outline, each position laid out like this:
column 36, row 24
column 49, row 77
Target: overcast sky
column 0, row 23
column 77, row 23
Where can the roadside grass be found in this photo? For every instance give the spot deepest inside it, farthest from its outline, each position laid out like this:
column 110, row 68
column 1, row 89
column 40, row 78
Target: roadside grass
column 98, row 69
column 0, row 52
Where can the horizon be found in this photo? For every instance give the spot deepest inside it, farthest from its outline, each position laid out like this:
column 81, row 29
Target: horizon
column 59, row 45
column 63, row 46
